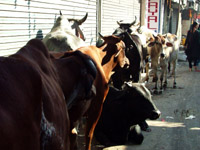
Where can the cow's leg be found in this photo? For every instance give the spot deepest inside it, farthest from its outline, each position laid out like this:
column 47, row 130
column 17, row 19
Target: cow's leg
column 165, row 76
column 174, row 74
column 92, row 120
column 144, row 126
column 93, row 116
column 155, row 79
column 73, row 139
column 73, row 135
column 135, row 135
column 169, row 67
column 102, row 138
column 161, row 77
column 147, row 71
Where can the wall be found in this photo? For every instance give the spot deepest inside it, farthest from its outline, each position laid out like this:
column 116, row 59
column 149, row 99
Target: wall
column 116, row 10
column 21, row 20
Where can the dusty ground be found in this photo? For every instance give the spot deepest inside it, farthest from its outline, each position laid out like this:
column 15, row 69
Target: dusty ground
column 173, row 130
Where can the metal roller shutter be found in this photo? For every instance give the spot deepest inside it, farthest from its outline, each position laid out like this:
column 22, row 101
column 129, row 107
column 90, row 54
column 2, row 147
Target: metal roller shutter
column 116, row 10
column 22, row 20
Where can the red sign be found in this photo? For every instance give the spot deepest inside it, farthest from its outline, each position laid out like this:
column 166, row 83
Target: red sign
column 153, row 15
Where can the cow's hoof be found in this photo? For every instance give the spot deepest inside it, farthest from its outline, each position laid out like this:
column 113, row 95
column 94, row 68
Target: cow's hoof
column 155, row 92
column 174, row 86
column 147, row 129
column 161, row 91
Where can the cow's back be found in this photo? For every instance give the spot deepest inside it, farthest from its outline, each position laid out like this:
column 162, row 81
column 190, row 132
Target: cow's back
column 53, row 124
column 54, row 107
column 60, row 41
column 61, row 37
column 20, row 105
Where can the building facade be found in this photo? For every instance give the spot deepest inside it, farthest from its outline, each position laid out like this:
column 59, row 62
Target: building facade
column 22, row 20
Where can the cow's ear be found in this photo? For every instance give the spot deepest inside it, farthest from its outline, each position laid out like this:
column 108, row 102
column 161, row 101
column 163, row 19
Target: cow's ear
column 164, row 35
column 118, row 23
column 151, row 44
column 169, row 44
column 118, row 53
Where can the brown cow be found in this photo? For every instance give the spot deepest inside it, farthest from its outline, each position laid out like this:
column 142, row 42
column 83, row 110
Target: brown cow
column 34, row 114
column 61, row 36
column 106, row 57
column 76, row 86
column 154, row 48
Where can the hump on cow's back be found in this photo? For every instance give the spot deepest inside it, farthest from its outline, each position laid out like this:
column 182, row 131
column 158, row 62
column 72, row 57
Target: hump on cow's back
column 39, row 45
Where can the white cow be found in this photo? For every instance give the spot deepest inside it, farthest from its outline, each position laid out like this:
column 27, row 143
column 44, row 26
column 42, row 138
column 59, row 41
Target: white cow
column 62, row 37
column 170, row 49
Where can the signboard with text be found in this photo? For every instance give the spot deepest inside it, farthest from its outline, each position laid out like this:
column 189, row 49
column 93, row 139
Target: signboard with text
column 152, row 15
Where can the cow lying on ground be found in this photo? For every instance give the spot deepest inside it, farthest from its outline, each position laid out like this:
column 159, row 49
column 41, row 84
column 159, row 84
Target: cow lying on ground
column 34, row 113
column 61, row 36
column 121, row 110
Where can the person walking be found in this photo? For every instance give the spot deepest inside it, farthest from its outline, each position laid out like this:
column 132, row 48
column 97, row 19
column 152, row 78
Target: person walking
column 192, row 46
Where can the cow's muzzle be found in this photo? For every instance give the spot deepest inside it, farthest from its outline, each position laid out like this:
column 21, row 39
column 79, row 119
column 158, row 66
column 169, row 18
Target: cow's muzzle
column 162, row 55
column 155, row 114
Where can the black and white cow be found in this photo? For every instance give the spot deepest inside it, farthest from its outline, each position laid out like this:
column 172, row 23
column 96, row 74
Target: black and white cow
column 134, row 53
column 122, row 110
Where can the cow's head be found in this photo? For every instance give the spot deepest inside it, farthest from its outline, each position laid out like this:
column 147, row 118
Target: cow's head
column 116, row 47
column 156, row 44
column 126, row 26
column 139, row 103
column 71, row 24
column 126, row 37
column 167, row 39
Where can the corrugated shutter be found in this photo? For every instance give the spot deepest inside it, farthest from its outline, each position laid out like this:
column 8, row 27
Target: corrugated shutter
column 116, row 10
column 174, row 20
column 22, row 20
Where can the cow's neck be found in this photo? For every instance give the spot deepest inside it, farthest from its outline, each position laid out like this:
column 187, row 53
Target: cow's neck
column 63, row 25
column 107, row 61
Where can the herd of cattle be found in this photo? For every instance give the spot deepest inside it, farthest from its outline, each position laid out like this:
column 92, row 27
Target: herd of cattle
column 49, row 85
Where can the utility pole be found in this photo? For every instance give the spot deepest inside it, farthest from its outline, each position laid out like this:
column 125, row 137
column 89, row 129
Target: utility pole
column 142, row 12
column 177, row 23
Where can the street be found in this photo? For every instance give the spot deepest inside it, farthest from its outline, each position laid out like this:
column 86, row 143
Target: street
column 178, row 128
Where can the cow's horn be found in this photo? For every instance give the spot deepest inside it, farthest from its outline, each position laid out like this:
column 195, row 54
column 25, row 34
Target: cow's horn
column 133, row 21
column 101, row 36
column 83, row 19
column 118, row 23
column 60, row 13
